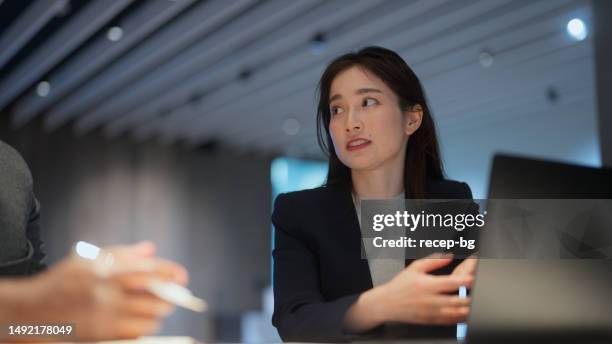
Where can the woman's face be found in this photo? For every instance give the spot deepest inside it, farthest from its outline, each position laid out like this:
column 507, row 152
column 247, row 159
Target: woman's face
column 367, row 126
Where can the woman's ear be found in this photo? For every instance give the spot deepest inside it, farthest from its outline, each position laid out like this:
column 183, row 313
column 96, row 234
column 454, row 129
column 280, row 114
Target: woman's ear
column 413, row 118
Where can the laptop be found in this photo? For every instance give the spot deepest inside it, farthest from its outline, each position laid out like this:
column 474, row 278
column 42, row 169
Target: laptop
column 547, row 300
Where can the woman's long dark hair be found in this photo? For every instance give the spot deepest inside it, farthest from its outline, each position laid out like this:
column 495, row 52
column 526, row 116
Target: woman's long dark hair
column 422, row 153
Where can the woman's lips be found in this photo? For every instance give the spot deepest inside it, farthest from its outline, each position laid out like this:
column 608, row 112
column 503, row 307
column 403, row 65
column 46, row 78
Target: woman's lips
column 357, row 144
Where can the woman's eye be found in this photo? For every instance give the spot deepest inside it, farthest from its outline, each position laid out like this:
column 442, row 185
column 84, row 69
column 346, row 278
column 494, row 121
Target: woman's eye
column 336, row 110
column 369, row 102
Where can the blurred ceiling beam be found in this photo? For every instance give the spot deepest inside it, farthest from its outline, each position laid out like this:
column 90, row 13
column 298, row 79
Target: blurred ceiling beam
column 163, row 45
column 208, row 51
column 35, row 17
column 63, row 42
column 296, row 61
column 148, row 18
column 439, row 67
column 287, row 38
column 303, row 68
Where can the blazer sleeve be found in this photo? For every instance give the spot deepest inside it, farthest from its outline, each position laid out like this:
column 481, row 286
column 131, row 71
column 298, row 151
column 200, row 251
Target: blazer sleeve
column 301, row 313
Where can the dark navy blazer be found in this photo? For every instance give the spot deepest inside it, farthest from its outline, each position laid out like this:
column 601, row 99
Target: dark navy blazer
column 318, row 269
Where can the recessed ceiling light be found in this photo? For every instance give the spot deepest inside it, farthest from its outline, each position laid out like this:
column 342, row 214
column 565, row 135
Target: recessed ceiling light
column 552, row 94
column 114, row 33
column 486, row 59
column 317, row 44
column 291, row 126
column 43, row 88
column 577, row 29
column 245, row 74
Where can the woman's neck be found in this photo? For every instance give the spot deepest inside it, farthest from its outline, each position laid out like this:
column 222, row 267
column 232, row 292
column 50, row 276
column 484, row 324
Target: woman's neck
column 378, row 183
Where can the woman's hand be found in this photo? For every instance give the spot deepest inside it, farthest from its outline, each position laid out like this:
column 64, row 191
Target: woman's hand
column 414, row 296
column 112, row 305
column 467, row 268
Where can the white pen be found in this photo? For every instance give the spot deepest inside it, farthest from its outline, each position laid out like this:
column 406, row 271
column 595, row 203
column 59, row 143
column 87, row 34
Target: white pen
column 168, row 291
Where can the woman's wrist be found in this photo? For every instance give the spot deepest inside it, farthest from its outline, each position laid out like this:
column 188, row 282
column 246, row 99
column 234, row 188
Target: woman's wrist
column 375, row 302
column 368, row 311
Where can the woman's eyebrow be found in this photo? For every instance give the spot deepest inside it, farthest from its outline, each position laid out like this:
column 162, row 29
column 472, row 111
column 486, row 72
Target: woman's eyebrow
column 368, row 90
column 334, row 97
column 359, row 91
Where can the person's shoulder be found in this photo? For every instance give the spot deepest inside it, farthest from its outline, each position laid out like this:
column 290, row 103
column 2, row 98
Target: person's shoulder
column 13, row 168
column 8, row 153
column 304, row 198
column 447, row 188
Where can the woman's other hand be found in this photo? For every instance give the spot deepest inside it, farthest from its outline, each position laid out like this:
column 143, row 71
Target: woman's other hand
column 415, row 296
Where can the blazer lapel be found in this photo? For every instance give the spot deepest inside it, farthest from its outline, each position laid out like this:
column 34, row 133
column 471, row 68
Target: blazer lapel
column 347, row 223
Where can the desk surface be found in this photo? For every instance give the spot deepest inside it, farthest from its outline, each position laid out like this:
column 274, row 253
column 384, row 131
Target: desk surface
column 189, row 340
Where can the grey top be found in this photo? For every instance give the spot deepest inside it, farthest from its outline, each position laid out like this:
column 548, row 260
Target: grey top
column 382, row 270
column 20, row 244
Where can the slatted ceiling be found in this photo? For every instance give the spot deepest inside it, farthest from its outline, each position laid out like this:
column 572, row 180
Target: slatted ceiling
column 308, row 120
column 225, row 41
column 27, row 26
column 147, row 129
column 302, row 59
column 526, row 107
column 549, row 69
column 502, row 43
column 572, row 87
column 147, row 92
column 564, row 83
column 442, row 21
column 231, row 90
column 543, row 78
column 546, row 69
column 191, row 26
column 308, row 79
column 452, row 84
column 68, row 38
column 97, row 54
column 260, row 53
column 463, row 55
column 528, row 40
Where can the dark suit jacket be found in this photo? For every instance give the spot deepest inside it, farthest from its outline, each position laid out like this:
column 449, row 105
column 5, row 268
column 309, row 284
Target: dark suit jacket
column 318, row 269
column 20, row 244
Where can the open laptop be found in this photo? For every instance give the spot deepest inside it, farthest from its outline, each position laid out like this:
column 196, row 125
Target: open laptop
column 520, row 300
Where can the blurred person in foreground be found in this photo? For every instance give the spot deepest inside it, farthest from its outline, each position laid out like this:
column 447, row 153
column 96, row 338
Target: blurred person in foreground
column 109, row 303
column 21, row 248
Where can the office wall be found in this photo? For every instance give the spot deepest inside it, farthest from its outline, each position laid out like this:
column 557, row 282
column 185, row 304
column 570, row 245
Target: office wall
column 207, row 209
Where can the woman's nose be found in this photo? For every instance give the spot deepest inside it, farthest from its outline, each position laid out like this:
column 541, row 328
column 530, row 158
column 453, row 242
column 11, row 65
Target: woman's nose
column 353, row 122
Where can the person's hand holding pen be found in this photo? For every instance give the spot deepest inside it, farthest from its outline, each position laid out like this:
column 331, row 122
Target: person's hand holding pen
column 102, row 300
column 415, row 296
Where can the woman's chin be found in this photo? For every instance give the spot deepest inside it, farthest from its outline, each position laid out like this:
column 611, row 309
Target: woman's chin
column 357, row 164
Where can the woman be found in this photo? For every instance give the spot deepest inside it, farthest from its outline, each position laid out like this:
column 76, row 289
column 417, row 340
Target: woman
column 374, row 123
